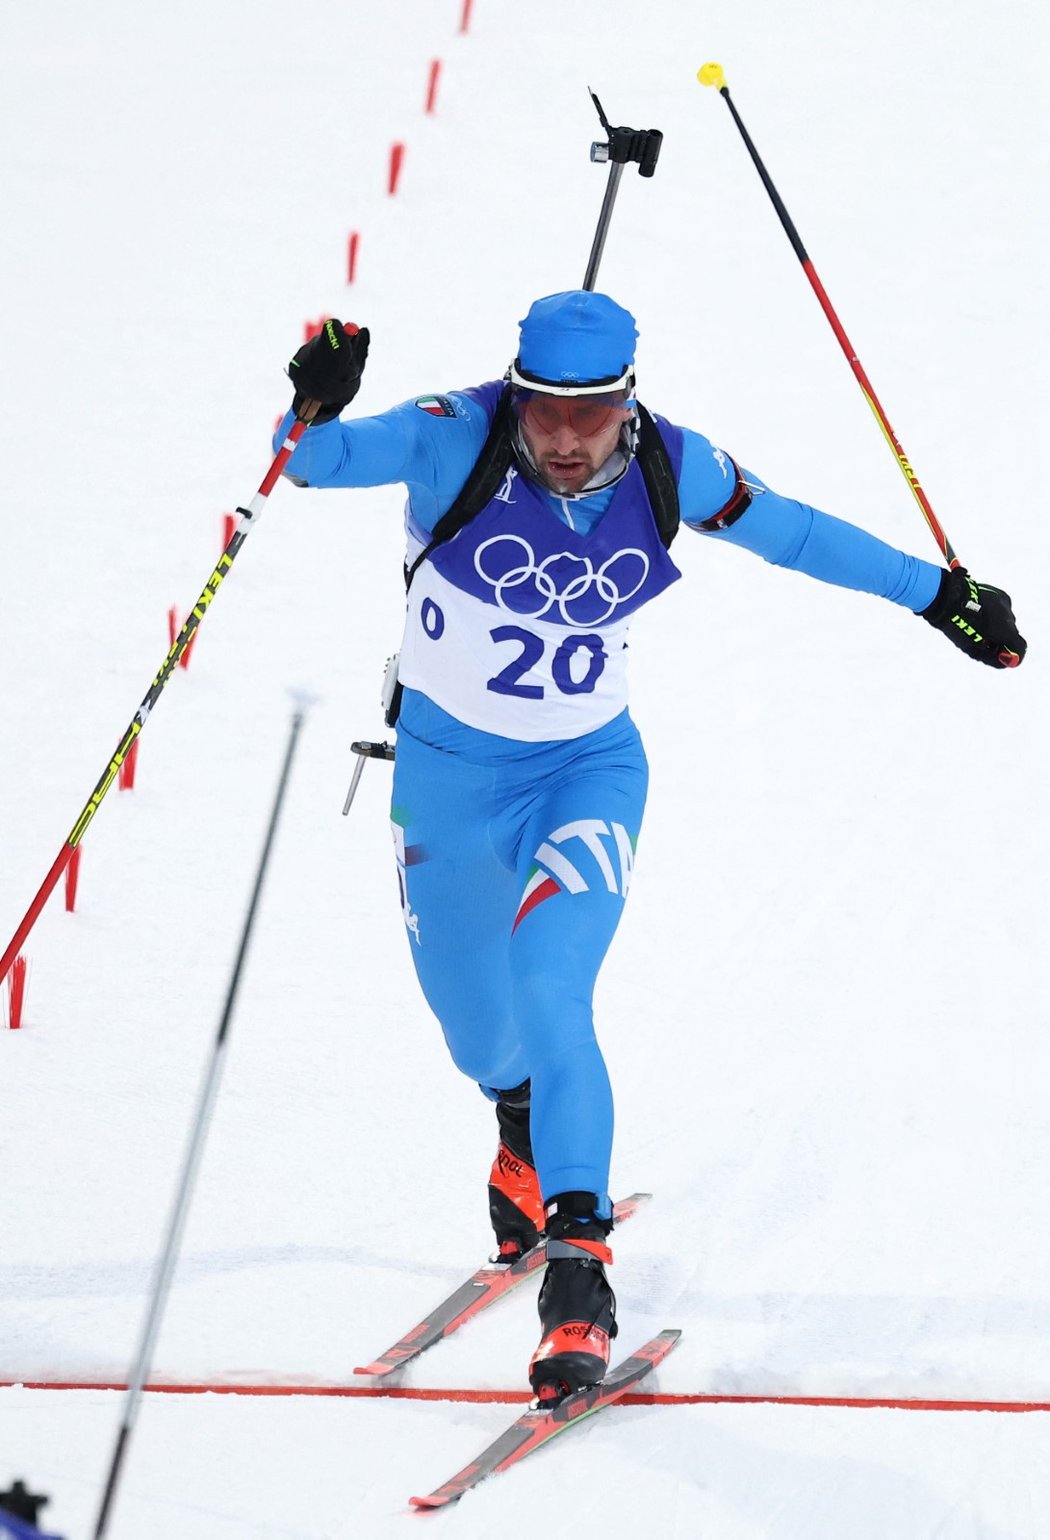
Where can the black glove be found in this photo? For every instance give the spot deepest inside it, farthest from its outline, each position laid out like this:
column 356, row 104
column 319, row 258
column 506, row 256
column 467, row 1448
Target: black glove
column 328, row 369
column 978, row 619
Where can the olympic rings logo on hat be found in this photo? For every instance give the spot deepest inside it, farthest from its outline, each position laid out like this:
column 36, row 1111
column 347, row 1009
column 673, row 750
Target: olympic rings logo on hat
column 584, row 596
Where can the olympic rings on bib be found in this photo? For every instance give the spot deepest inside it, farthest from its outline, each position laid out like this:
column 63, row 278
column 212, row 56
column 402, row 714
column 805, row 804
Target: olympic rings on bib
column 584, row 596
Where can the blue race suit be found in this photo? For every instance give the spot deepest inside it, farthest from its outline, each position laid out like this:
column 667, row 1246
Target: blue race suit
column 520, row 779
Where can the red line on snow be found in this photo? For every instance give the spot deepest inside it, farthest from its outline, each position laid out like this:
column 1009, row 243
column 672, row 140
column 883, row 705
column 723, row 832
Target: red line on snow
column 897, row 1404
column 513, row 1397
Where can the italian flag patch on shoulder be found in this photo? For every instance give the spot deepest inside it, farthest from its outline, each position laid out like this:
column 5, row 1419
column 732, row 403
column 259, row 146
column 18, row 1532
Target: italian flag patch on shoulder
column 436, row 406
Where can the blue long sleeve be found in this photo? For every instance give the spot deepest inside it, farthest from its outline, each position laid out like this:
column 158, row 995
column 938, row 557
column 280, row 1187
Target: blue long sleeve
column 792, row 534
column 431, row 443
column 430, row 451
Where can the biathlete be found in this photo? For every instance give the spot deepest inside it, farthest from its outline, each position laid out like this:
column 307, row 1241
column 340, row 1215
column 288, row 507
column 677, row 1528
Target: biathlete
column 540, row 511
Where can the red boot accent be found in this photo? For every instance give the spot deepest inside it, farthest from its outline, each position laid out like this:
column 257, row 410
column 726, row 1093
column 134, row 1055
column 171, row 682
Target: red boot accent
column 575, row 1337
column 517, row 1180
column 568, row 1358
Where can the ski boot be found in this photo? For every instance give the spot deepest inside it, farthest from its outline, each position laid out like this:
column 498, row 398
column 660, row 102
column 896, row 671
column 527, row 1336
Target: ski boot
column 515, row 1204
column 577, row 1306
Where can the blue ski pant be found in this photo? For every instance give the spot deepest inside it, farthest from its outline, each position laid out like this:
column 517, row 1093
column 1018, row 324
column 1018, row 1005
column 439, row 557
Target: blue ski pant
column 513, row 879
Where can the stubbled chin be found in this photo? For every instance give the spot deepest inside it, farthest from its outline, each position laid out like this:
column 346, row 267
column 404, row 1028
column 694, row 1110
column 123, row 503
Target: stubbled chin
column 562, row 483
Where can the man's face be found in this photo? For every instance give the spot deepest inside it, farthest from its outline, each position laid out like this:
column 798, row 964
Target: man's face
column 570, row 437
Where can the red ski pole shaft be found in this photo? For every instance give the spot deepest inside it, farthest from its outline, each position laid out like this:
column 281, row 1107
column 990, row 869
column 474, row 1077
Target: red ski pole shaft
column 138, row 721
column 712, row 75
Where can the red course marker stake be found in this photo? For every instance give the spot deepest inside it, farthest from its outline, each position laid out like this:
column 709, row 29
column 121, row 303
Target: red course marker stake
column 352, row 245
column 397, row 156
column 16, row 984
column 432, row 85
column 173, row 631
column 126, row 776
column 72, row 873
column 464, row 20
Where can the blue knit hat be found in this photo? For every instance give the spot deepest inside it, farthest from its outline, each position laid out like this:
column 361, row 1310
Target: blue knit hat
column 576, row 337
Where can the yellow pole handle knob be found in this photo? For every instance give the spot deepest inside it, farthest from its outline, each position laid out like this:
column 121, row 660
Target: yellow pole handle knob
column 711, row 75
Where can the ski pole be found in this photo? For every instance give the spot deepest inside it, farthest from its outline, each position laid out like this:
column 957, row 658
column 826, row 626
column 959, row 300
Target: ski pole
column 248, row 517
column 713, row 75
column 622, row 146
column 191, row 1161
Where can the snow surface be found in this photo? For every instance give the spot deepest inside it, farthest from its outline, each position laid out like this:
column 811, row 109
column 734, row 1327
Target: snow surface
column 824, row 1013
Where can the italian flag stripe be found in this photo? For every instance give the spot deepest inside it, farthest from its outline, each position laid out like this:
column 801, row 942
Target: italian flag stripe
column 538, row 887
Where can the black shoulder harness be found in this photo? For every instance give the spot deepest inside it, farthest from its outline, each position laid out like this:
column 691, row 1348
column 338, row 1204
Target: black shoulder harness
column 483, row 482
column 497, row 457
column 659, row 476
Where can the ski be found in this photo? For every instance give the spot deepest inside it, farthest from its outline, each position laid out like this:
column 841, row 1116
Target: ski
column 536, row 1427
column 489, row 1283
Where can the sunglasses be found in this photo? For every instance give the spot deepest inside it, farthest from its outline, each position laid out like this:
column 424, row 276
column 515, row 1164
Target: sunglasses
column 585, row 415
